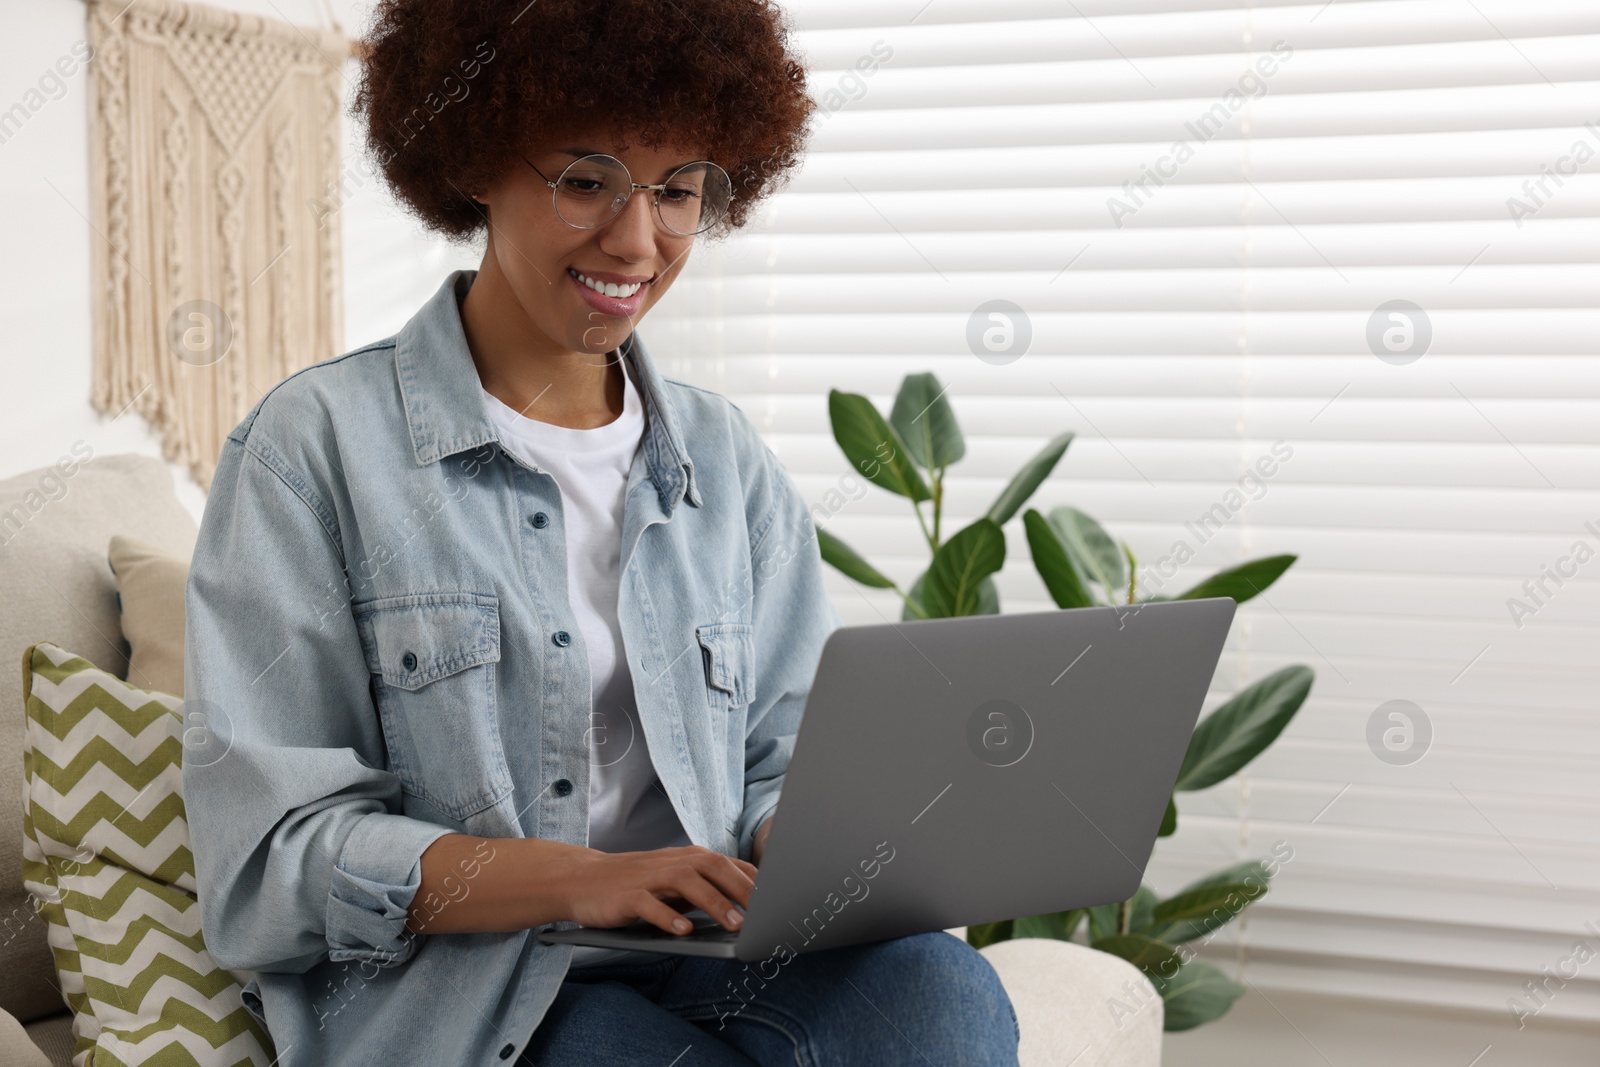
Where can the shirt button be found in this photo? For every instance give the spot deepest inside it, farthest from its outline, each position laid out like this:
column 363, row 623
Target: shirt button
column 409, row 661
column 540, row 520
column 563, row 787
column 561, row 638
column 506, row 1052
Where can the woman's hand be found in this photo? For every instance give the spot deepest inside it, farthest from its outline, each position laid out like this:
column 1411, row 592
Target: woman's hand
column 500, row 885
column 614, row 889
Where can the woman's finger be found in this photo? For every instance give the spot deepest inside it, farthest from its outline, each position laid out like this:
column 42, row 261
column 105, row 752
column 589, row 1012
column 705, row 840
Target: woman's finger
column 725, row 873
column 659, row 913
column 691, row 885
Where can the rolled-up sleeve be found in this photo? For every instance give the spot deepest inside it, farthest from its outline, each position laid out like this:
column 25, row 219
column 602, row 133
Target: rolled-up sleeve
column 301, row 851
column 791, row 616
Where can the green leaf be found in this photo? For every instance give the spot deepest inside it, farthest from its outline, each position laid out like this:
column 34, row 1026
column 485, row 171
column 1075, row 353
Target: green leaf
column 1252, row 873
column 872, row 446
column 1197, row 903
column 959, row 566
column 982, row 934
column 1155, row 959
column 1029, row 478
column 1169, row 821
column 1199, row 911
column 1249, row 872
column 846, row 560
column 1197, row 994
column 988, row 598
column 1050, row 559
column 1102, row 921
column 1243, row 726
column 1092, row 550
column 1241, row 582
column 1103, row 917
column 1058, row 925
column 926, row 422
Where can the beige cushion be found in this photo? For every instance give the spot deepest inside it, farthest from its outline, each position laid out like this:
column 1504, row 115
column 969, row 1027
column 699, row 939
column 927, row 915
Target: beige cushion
column 15, row 1048
column 53, row 1037
column 150, row 587
column 1078, row 1006
column 55, row 583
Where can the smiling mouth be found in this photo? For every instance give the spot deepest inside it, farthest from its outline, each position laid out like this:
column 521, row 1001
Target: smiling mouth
column 611, row 289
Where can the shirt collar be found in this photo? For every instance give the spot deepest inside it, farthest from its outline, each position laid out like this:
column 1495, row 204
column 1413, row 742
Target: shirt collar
column 444, row 404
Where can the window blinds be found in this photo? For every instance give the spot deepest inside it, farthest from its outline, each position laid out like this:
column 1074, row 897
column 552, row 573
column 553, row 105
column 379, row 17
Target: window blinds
column 1207, row 216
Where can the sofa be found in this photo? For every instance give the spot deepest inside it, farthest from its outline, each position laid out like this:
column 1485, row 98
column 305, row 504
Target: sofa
column 55, row 527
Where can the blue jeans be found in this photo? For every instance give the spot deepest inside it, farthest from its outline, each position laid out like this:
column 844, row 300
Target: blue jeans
column 927, row 999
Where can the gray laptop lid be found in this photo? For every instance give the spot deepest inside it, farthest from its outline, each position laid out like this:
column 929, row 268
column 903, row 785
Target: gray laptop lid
column 950, row 772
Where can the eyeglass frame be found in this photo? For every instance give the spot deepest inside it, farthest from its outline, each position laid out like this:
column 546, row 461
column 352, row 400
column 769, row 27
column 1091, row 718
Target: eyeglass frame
column 555, row 188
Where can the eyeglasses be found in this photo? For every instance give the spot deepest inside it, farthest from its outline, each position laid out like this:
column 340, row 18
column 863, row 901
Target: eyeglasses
column 591, row 191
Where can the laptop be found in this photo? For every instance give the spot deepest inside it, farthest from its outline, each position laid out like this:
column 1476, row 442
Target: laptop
column 950, row 772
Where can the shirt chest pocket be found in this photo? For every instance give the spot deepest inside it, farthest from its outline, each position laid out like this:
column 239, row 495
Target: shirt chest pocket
column 433, row 657
column 728, row 654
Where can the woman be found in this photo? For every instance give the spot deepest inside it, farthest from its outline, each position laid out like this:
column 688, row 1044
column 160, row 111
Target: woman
column 495, row 628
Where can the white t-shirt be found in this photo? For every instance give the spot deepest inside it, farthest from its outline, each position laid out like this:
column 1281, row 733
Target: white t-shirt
column 628, row 810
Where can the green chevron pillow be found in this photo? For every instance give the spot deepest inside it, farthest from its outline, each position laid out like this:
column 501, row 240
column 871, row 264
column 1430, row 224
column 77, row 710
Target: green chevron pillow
column 105, row 855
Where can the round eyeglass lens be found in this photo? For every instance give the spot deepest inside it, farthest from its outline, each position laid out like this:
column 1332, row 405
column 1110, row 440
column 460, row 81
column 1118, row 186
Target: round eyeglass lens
column 593, row 189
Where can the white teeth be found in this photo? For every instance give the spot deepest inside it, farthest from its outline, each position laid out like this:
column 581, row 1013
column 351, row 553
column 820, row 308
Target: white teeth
column 607, row 288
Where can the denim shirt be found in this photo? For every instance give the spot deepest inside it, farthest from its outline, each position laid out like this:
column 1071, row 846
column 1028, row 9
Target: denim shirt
column 380, row 651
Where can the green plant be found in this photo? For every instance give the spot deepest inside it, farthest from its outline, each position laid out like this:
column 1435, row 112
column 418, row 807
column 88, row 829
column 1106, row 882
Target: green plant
column 1081, row 565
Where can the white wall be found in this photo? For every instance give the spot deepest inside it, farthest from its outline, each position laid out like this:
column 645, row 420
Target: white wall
column 390, row 267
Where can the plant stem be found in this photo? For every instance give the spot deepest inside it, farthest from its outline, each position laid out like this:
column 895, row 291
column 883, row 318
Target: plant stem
column 1124, row 916
column 922, row 522
column 1133, row 574
column 938, row 504
column 916, row 609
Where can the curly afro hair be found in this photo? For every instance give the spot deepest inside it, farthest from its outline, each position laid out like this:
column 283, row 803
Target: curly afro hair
column 453, row 91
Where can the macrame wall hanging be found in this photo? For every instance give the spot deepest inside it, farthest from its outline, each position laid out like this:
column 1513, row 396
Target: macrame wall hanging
column 214, row 170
